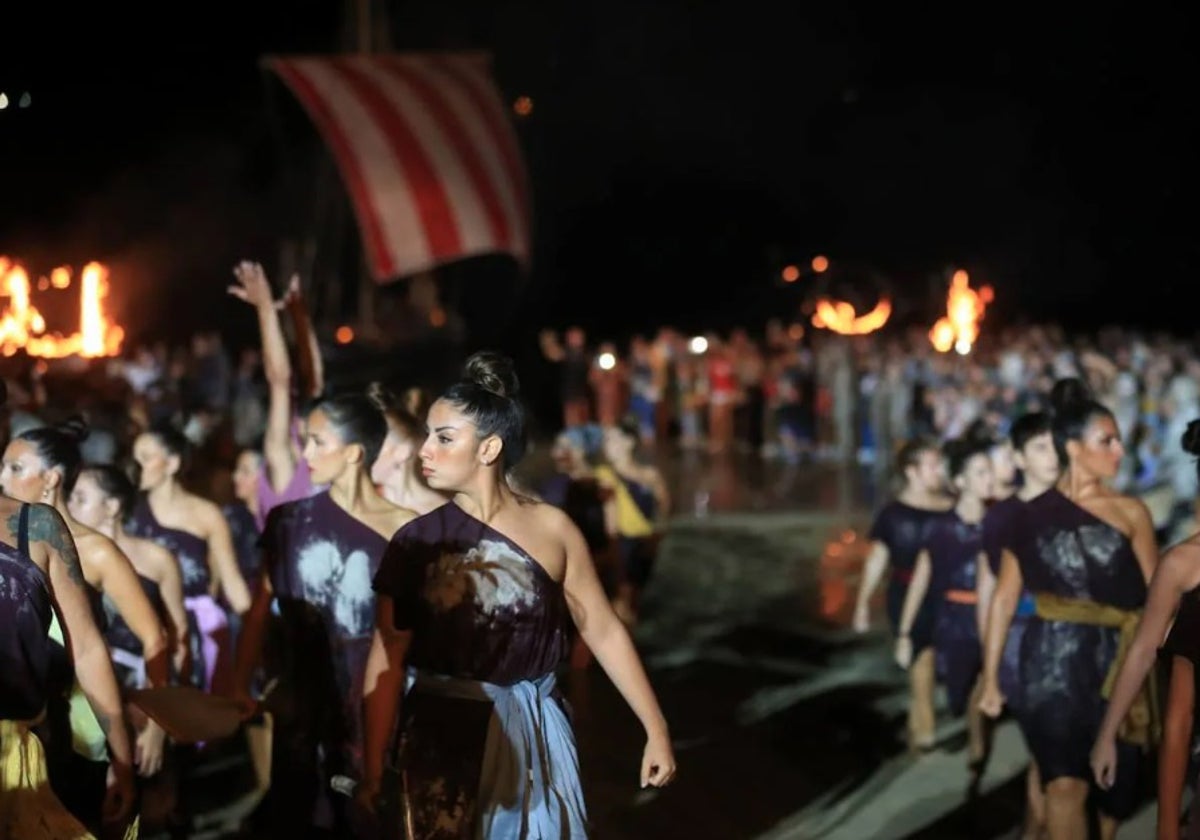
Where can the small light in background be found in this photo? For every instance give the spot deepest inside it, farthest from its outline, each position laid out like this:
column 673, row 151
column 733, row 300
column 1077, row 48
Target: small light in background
column 962, row 347
column 25, row 101
column 43, row 284
column 3, row 100
column 437, row 317
column 523, row 106
column 791, row 274
column 820, row 263
column 607, row 361
column 698, row 345
column 344, row 335
column 60, row 278
column 796, row 332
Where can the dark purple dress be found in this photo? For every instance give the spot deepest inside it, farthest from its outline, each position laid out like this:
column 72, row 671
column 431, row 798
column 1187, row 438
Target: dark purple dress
column 205, row 618
column 904, row 529
column 321, row 561
column 1069, row 552
column 999, row 533
column 124, row 646
column 954, row 547
column 245, row 533
column 25, row 645
column 484, row 742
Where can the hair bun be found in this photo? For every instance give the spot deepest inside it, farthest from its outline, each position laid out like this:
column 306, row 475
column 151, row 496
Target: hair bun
column 382, row 397
column 493, row 372
column 1068, row 393
column 1190, row 440
column 75, row 428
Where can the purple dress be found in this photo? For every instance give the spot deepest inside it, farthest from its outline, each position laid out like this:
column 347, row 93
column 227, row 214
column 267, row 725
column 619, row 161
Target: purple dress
column 124, row 646
column 244, row 529
column 1000, row 533
column 1069, row 552
column 954, row 547
column 321, row 561
column 904, row 529
column 484, row 744
column 206, row 620
column 25, row 645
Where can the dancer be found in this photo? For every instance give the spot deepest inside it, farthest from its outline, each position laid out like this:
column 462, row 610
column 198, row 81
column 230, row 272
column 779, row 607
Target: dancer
column 945, row 571
column 474, row 598
column 320, row 554
column 101, row 499
column 1086, row 554
column 1175, row 581
column 195, row 532
column 395, row 471
column 639, row 505
column 897, row 536
column 1037, row 461
column 43, row 577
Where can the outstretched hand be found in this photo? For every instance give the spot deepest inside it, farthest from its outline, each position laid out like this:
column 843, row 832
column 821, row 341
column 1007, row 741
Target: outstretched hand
column 252, row 286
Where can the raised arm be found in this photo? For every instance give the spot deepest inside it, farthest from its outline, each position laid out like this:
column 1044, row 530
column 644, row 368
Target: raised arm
column 222, row 559
column 119, row 581
column 49, row 535
column 873, row 569
column 312, row 368
column 606, row 636
column 999, row 620
column 253, row 288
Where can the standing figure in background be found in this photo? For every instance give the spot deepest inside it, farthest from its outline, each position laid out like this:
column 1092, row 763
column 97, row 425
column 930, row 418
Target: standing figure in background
column 897, row 536
column 575, row 368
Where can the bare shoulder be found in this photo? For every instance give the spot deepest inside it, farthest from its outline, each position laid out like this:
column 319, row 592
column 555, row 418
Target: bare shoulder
column 205, row 512
column 548, row 517
column 1132, row 511
column 147, row 553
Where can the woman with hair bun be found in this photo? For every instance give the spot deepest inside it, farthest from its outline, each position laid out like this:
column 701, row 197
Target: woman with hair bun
column 946, row 569
column 42, row 465
column 194, row 530
column 320, row 554
column 42, row 578
column 1085, row 553
column 1173, row 604
column 473, row 604
column 395, row 471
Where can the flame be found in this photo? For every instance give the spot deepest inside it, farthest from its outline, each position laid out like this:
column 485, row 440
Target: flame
column 840, row 317
column 958, row 329
column 23, row 327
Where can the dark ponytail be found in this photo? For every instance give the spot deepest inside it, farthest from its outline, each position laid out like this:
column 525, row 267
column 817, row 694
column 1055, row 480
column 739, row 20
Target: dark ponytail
column 358, row 418
column 1072, row 408
column 58, row 447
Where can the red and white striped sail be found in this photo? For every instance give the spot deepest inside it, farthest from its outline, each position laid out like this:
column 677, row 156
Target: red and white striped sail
column 426, row 150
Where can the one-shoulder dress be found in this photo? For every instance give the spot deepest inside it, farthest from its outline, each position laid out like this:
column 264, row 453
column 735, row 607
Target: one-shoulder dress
column 1070, row 558
column 207, row 625
column 485, row 746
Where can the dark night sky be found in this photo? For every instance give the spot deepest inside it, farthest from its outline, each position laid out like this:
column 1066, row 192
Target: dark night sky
column 693, row 147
